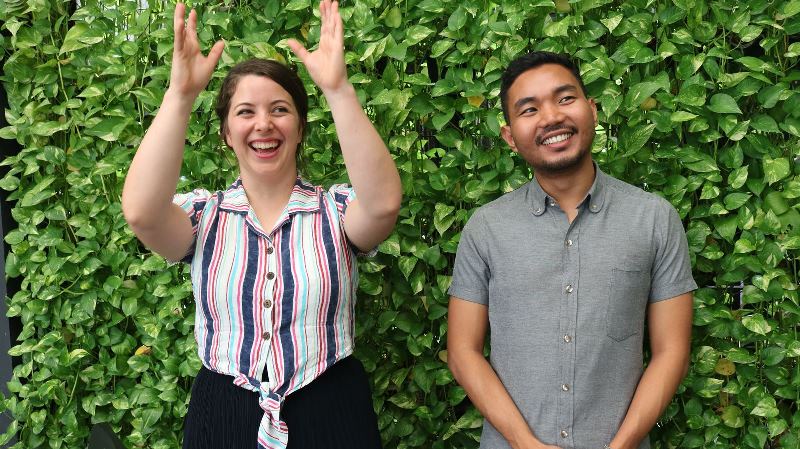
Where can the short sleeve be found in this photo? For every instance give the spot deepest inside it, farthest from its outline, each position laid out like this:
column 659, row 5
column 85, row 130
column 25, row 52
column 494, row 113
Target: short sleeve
column 672, row 269
column 472, row 272
column 193, row 203
column 343, row 195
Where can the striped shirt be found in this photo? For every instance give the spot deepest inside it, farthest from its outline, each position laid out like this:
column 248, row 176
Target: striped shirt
column 272, row 303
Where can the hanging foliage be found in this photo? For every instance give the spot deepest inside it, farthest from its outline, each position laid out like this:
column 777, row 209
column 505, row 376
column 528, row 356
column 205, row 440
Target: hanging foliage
column 698, row 103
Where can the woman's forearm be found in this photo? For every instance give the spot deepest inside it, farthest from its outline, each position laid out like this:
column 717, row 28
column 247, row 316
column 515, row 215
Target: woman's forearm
column 371, row 169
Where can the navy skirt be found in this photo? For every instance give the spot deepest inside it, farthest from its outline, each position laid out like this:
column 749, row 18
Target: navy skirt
column 332, row 412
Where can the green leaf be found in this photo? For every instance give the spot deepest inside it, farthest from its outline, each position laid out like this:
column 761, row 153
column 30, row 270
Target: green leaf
column 458, row 19
column 775, row 169
column 417, row 34
column 443, row 217
column 639, row 92
column 766, row 408
column 109, row 129
column 407, row 264
column 297, row 5
column 633, row 139
column 681, row 116
column 732, row 416
column 734, row 201
column 72, row 38
column 737, row 177
column 772, row 355
column 724, row 104
column 394, row 18
column 757, row 324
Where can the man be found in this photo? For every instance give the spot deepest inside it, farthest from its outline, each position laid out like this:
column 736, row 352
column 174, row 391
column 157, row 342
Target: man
column 563, row 271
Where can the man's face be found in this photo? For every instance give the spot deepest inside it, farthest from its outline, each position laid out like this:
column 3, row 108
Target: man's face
column 551, row 122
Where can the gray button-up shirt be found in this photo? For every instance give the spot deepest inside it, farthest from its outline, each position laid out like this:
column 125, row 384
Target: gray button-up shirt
column 567, row 301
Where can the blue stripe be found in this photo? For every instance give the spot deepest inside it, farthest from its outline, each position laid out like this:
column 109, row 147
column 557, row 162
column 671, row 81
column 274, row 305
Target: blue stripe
column 341, row 199
column 208, row 254
column 247, row 304
column 287, row 304
column 333, row 268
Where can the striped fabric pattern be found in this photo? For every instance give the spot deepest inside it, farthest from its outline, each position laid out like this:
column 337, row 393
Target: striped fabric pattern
column 275, row 301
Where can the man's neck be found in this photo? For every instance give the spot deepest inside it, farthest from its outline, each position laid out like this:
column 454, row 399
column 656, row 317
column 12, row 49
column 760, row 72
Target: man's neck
column 568, row 188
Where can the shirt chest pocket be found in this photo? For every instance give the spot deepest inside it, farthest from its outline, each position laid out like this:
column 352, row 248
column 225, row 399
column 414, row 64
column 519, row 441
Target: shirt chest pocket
column 627, row 301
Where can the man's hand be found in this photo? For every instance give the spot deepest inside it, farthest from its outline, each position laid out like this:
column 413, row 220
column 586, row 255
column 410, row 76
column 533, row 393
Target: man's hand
column 191, row 71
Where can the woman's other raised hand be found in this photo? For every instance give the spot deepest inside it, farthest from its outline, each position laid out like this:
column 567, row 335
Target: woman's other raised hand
column 326, row 63
column 191, row 71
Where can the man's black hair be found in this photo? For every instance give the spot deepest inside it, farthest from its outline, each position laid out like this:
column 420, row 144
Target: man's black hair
column 530, row 61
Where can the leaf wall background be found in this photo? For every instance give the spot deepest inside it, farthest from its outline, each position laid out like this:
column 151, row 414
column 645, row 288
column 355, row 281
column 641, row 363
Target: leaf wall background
column 699, row 102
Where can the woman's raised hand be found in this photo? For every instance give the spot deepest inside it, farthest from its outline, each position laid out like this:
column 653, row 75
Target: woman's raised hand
column 326, row 63
column 191, row 71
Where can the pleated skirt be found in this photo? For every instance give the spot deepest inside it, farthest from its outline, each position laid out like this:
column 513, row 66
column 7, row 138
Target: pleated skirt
column 332, row 412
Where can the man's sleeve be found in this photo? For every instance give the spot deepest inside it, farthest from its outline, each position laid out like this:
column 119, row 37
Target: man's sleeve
column 672, row 269
column 471, row 272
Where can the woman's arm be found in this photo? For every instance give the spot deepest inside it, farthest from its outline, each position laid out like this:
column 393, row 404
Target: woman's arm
column 371, row 216
column 153, row 176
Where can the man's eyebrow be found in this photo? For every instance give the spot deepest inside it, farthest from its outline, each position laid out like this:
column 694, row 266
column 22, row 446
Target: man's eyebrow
column 558, row 90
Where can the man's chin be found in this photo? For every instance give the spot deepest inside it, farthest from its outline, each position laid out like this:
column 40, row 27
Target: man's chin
column 560, row 166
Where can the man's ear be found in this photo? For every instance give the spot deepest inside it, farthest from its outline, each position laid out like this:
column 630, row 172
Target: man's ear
column 594, row 110
column 505, row 133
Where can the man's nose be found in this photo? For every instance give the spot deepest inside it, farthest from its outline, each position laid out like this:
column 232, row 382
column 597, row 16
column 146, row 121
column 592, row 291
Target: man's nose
column 550, row 115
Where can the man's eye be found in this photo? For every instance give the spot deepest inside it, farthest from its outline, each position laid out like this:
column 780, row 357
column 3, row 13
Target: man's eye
column 567, row 99
column 530, row 110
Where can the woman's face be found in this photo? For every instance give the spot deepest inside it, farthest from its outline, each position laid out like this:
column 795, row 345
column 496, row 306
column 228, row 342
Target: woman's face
column 263, row 128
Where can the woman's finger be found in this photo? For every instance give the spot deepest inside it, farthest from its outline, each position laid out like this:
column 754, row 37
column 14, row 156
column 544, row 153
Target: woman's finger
column 298, row 49
column 338, row 25
column 191, row 29
column 177, row 25
column 214, row 54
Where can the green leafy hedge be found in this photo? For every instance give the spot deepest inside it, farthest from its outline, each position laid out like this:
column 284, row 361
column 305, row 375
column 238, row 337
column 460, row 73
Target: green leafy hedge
column 699, row 102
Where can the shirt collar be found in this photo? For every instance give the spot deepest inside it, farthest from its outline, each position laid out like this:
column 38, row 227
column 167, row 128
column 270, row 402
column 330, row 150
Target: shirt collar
column 304, row 198
column 595, row 197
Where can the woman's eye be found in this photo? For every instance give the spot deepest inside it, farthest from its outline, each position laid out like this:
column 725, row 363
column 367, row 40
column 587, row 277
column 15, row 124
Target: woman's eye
column 243, row 111
column 281, row 109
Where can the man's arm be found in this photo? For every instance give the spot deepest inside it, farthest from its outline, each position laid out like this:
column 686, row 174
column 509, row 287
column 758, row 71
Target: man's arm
column 466, row 329
column 670, row 328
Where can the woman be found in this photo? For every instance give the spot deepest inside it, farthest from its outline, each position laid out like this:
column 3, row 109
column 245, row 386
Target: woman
column 273, row 266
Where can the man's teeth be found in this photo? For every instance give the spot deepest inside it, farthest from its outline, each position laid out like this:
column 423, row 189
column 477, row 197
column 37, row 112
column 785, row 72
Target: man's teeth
column 556, row 139
column 264, row 145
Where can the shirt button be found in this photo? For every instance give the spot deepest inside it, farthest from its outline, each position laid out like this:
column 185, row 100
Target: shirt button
column 565, row 387
column 552, row 203
column 594, row 207
column 568, row 288
column 568, row 242
column 270, row 250
column 537, row 210
column 567, row 338
column 265, row 335
column 267, row 303
column 564, row 434
column 270, row 275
